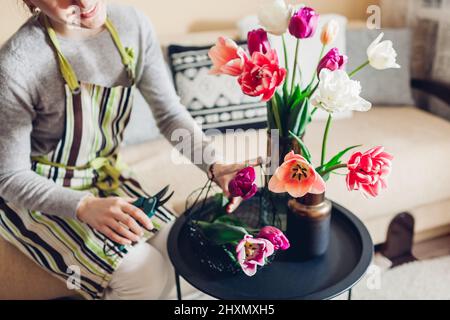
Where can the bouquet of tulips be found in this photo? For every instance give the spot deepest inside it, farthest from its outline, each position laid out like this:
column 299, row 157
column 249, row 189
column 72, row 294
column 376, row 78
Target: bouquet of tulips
column 291, row 106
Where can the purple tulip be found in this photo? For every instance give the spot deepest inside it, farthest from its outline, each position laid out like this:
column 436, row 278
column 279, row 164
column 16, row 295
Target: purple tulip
column 275, row 236
column 257, row 41
column 303, row 23
column 332, row 61
column 243, row 184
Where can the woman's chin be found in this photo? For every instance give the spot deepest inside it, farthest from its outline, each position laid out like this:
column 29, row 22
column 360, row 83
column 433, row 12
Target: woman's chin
column 95, row 22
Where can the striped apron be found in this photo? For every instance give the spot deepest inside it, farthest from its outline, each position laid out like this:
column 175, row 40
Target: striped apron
column 86, row 158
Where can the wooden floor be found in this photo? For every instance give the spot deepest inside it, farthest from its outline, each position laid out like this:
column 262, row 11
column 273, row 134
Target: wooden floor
column 433, row 248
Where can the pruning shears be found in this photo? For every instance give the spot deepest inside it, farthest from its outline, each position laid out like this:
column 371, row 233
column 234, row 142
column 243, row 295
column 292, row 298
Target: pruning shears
column 147, row 204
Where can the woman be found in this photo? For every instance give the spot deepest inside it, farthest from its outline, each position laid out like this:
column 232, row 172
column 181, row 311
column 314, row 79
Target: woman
column 67, row 78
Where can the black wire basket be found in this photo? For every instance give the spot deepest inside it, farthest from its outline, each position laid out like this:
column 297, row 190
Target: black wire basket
column 255, row 213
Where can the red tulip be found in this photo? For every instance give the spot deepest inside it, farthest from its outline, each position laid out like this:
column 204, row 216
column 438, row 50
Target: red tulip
column 261, row 75
column 369, row 171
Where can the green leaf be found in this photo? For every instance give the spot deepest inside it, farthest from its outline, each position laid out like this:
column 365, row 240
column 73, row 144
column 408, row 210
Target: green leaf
column 301, row 122
column 296, row 95
column 270, row 116
column 336, row 159
column 294, row 114
column 305, row 152
column 281, row 106
column 221, row 233
column 276, row 114
column 231, row 220
column 285, row 95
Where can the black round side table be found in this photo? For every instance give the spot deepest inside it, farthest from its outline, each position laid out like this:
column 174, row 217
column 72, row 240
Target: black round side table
column 347, row 259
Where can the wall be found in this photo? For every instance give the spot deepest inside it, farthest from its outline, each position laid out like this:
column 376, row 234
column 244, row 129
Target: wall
column 181, row 16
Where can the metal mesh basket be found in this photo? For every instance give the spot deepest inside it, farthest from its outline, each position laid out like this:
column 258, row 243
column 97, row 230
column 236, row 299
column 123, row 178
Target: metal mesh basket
column 254, row 212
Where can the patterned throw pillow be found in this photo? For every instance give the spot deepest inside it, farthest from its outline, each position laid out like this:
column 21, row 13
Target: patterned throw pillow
column 215, row 102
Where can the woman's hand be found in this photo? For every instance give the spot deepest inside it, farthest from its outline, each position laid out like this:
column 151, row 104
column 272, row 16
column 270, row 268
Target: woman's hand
column 115, row 217
column 223, row 173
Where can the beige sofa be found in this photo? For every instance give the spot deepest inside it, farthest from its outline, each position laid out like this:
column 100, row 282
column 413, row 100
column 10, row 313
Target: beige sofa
column 418, row 184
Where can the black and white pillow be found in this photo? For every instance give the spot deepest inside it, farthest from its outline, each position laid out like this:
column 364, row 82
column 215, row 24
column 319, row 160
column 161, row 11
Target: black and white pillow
column 215, row 102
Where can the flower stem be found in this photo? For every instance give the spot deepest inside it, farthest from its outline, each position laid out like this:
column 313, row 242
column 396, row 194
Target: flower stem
column 325, row 139
column 286, row 63
column 335, row 167
column 276, row 114
column 295, row 66
column 315, row 70
column 351, row 74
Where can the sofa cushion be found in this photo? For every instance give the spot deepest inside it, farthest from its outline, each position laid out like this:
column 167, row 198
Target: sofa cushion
column 390, row 86
column 215, row 102
column 418, row 140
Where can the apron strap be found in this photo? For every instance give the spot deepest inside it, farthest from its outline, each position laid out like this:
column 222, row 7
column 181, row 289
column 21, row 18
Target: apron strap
column 66, row 69
column 127, row 56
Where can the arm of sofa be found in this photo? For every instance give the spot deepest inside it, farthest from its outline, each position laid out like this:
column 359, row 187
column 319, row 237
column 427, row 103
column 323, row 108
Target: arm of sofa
column 438, row 89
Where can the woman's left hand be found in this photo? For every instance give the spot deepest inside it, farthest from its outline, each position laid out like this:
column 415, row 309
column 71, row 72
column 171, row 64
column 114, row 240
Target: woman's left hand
column 223, row 173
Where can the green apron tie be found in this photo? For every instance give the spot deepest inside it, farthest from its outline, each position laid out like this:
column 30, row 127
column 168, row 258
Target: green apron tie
column 127, row 55
column 106, row 167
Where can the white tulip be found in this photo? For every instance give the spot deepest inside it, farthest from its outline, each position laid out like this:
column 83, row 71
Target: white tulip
column 337, row 92
column 382, row 54
column 274, row 16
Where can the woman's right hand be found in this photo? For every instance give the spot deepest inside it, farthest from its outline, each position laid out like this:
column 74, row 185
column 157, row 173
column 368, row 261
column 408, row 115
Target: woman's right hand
column 115, row 217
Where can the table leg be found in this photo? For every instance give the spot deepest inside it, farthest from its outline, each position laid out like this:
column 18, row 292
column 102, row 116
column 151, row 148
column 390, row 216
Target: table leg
column 177, row 283
column 349, row 297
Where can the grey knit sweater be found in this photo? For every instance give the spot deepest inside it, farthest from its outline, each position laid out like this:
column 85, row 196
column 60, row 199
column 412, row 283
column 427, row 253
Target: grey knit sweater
column 32, row 100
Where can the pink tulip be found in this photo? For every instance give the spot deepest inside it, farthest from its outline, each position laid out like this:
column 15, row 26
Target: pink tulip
column 262, row 75
column 296, row 177
column 257, row 41
column 275, row 236
column 369, row 171
column 227, row 57
column 303, row 23
column 332, row 61
column 252, row 252
column 243, row 184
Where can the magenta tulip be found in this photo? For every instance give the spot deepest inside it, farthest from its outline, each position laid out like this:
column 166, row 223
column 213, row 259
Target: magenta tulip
column 257, row 41
column 252, row 252
column 332, row 61
column 275, row 236
column 243, row 184
column 303, row 23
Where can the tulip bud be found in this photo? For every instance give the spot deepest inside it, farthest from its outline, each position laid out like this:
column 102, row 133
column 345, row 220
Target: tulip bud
column 332, row 61
column 303, row 23
column 275, row 236
column 257, row 41
column 329, row 32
